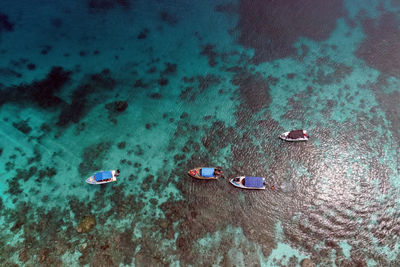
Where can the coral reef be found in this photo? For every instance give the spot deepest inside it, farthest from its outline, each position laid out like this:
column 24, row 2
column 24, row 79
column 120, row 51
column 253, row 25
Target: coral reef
column 80, row 106
column 265, row 27
column 5, row 24
column 42, row 93
column 92, row 163
column 117, row 106
column 143, row 34
column 378, row 49
column 168, row 18
column 307, row 263
column 253, row 90
column 106, row 5
column 209, row 52
column 86, row 224
column 170, row 68
column 22, row 126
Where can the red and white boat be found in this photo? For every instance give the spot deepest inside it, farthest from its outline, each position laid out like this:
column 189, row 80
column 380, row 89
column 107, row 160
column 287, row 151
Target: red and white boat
column 206, row 173
column 295, row 135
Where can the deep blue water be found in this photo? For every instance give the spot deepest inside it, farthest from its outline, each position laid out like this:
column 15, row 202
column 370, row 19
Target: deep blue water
column 155, row 88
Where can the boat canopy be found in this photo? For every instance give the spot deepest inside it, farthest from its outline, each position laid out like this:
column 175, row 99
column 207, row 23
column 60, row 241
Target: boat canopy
column 207, row 172
column 296, row 134
column 255, row 182
column 100, row 176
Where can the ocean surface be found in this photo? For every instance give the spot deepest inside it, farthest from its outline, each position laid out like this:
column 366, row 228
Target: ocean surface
column 155, row 88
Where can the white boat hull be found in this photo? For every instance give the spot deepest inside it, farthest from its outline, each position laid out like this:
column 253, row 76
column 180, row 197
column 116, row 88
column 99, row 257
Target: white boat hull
column 240, row 184
column 92, row 180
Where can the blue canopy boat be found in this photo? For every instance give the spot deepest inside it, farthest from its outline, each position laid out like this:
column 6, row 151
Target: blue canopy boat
column 249, row 182
column 205, row 173
column 103, row 177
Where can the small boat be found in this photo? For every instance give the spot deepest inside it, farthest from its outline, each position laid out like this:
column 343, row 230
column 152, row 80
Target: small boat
column 103, row 177
column 205, row 173
column 249, row 182
column 295, row 135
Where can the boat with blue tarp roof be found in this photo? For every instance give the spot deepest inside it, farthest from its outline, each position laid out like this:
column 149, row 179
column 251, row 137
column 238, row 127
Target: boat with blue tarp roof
column 103, row 177
column 249, row 182
column 206, row 173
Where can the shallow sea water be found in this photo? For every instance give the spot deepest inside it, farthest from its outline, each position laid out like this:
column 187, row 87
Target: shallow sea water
column 155, row 88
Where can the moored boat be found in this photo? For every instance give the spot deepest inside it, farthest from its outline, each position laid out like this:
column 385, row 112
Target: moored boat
column 295, row 135
column 206, row 173
column 249, row 182
column 103, row 177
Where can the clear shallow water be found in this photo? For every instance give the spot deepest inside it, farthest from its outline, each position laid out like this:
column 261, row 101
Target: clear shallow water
column 156, row 88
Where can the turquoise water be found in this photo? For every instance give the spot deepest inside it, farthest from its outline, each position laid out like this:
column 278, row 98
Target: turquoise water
column 155, row 88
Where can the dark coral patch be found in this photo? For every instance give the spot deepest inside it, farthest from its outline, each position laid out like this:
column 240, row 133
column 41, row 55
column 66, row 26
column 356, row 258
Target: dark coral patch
column 290, row 76
column 5, row 24
column 265, row 27
column 143, row 34
column 327, row 71
column 139, row 84
column 168, row 18
column 163, row 81
column 42, row 93
column 122, row 145
column 9, row 73
column 272, row 80
column 218, row 137
column 103, row 80
column 89, row 163
column 25, row 174
column 151, row 70
column 253, row 90
column 170, row 68
column 188, row 94
column 117, row 106
column 126, row 4
column 207, row 81
column 187, row 79
column 156, row 96
column 105, row 5
column 22, row 126
column 229, row 8
column 46, row 172
column 45, row 50
column 380, row 49
column 74, row 112
column 14, row 188
column 209, row 51
column 101, row 5
column 31, row 66
column 56, row 22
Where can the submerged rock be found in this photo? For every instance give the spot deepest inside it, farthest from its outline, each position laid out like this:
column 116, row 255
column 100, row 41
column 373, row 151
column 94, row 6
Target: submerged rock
column 117, row 106
column 23, row 255
column 307, row 263
column 87, row 224
column 164, row 224
column 83, row 247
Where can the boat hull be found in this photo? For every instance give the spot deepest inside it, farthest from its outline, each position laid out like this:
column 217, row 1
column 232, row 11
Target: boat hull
column 92, row 180
column 240, row 184
column 284, row 136
column 201, row 177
